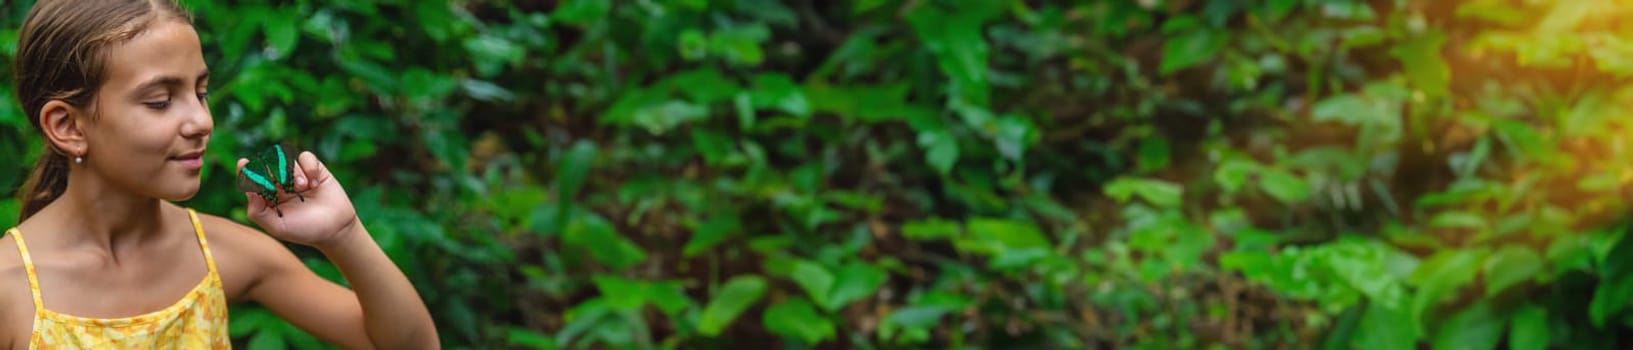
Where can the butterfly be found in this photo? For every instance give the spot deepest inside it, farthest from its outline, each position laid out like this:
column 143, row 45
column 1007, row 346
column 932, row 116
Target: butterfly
column 268, row 172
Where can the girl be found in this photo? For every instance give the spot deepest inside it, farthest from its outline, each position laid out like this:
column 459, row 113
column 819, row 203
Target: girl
column 103, row 258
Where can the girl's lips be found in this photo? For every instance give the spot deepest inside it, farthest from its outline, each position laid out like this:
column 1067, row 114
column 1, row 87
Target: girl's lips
column 190, row 163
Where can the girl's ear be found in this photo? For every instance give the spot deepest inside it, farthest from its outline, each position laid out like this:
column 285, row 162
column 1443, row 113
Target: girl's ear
column 63, row 128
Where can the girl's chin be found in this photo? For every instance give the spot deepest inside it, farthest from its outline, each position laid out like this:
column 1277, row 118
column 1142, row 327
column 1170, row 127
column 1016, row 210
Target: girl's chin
column 179, row 192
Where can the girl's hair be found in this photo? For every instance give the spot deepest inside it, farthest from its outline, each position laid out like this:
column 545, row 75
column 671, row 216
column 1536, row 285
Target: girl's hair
column 62, row 55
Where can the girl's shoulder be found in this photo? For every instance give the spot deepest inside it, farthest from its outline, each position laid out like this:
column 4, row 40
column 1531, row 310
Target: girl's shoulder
column 225, row 231
column 16, row 302
column 243, row 254
column 237, row 238
column 13, row 275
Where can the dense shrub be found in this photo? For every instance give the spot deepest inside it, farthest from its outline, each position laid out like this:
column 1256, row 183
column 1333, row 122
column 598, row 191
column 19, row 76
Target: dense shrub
column 884, row 174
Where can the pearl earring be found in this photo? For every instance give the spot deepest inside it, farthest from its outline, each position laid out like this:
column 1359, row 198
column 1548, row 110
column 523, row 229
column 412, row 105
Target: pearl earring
column 78, row 159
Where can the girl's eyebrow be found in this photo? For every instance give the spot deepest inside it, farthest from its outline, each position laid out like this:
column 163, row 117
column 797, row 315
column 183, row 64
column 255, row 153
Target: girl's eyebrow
column 168, row 81
column 161, row 81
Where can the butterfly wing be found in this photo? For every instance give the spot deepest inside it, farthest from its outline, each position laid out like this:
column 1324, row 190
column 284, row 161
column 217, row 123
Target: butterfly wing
column 254, row 178
column 278, row 165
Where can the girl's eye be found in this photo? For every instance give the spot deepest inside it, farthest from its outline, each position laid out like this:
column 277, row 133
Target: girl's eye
column 157, row 104
column 202, row 96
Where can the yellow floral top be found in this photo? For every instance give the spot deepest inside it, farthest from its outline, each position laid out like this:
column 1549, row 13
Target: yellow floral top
column 197, row 321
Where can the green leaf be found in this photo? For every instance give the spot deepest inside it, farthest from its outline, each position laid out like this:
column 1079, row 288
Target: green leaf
column 797, row 318
column 961, row 51
column 591, row 232
column 714, row 145
column 491, row 53
column 871, row 104
column 581, row 12
column 1419, row 54
column 941, row 150
column 281, row 34
column 486, row 91
column 1522, row 138
column 572, row 170
column 778, row 90
column 1386, row 328
column 669, row 296
column 1465, row 164
column 929, row 229
column 265, row 340
column 1015, row 133
column 1342, row 333
column 659, row 118
column 695, row 4
column 1609, row 299
column 1442, row 275
column 1377, row 113
column 854, row 281
column 248, row 321
column 1618, row 262
column 526, row 338
column 918, row 316
column 866, row 202
column 1153, row 154
column 993, row 236
column 299, row 339
column 1279, row 8
column 741, row 44
column 1475, row 327
column 1157, row 192
column 435, row 18
column 1497, row 12
column 620, row 293
column 1510, row 265
column 736, row 296
column 1458, row 219
column 1530, row 328
column 428, row 85
column 277, row 123
column 582, row 318
column 692, row 44
column 1570, row 252
column 1284, row 186
column 1190, row 48
column 770, row 244
column 815, row 279
column 1364, row 266
column 1232, row 174
column 703, row 86
column 1009, row 259
column 719, row 226
column 1564, row 16
column 744, row 104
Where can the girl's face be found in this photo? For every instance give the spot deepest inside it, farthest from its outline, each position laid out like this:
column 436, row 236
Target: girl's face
column 151, row 123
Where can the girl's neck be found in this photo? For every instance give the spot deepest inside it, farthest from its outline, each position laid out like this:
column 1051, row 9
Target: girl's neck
column 93, row 212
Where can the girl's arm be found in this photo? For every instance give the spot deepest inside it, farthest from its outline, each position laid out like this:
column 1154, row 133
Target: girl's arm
column 393, row 313
column 381, row 310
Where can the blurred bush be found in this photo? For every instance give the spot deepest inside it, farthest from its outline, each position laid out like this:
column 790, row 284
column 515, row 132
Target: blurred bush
column 952, row 174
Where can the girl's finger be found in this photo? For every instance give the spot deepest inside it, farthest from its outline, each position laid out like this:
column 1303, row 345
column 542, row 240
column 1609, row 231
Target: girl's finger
column 316, row 172
column 300, row 176
column 257, row 208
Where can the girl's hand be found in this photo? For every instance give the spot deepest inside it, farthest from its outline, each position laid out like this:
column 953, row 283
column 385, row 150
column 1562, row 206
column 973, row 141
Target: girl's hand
column 326, row 217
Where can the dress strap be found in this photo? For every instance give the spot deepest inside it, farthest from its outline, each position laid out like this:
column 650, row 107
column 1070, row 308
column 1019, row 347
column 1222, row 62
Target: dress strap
column 28, row 266
column 198, row 229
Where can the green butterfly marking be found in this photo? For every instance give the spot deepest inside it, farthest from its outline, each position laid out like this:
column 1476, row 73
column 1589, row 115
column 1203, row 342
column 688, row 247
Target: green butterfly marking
column 268, row 173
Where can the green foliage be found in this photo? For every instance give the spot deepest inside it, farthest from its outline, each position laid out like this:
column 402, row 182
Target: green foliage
column 952, row 174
